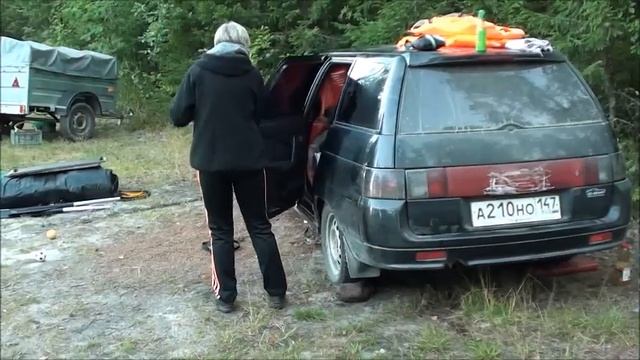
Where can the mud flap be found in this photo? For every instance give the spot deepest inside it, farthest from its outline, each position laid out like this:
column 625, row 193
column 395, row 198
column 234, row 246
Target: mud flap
column 575, row 265
column 358, row 270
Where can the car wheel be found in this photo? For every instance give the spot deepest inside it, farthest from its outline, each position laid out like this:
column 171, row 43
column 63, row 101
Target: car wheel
column 5, row 128
column 79, row 124
column 333, row 249
column 17, row 124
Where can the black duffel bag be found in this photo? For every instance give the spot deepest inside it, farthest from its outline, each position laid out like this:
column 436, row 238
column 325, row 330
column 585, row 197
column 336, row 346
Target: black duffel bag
column 57, row 183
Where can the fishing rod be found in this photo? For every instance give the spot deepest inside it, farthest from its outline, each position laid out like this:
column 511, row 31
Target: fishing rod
column 58, row 208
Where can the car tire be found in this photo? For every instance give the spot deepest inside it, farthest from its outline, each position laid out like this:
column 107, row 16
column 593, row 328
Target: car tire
column 5, row 128
column 16, row 124
column 333, row 248
column 8, row 122
column 79, row 124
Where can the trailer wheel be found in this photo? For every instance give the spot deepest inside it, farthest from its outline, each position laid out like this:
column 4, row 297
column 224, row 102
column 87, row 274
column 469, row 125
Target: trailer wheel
column 79, row 124
column 8, row 122
column 5, row 128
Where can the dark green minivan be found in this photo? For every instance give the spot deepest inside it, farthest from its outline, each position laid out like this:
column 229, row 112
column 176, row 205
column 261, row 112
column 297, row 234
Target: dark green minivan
column 412, row 160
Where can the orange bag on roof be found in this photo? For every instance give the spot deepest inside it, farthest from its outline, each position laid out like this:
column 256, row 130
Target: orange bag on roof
column 460, row 31
column 470, row 41
column 456, row 24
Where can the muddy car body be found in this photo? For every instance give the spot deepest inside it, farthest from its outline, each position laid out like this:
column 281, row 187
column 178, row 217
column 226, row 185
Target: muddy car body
column 422, row 160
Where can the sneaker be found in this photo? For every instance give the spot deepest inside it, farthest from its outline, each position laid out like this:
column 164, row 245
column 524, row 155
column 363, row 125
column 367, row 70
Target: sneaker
column 206, row 245
column 277, row 302
column 224, row 307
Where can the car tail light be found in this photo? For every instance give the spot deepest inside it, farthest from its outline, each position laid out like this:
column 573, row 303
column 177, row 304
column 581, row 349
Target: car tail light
column 428, row 183
column 383, row 184
column 600, row 238
column 22, row 109
column 598, row 170
column 618, row 164
column 529, row 177
column 604, row 169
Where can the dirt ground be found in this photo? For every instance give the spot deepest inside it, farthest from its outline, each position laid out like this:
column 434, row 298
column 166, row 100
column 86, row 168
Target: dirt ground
column 133, row 282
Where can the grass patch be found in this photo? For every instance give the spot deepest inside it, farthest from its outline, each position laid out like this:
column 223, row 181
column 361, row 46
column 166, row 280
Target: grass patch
column 151, row 157
column 403, row 306
column 310, row 314
column 498, row 307
column 599, row 325
column 15, row 306
column 357, row 328
column 23, row 301
column 482, row 303
column 528, row 346
column 433, row 340
column 246, row 339
column 230, row 344
column 367, row 347
column 93, row 344
column 352, row 351
column 311, row 283
column 91, row 347
column 128, row 347
column 257, row 333
column 291, row 350
column 484, row 350
column 256, row 319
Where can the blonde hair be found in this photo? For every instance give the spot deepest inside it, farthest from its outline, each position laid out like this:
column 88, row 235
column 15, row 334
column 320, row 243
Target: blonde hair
column 232, row 32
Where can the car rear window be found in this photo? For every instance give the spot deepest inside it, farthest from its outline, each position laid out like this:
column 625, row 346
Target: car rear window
column 492, row 96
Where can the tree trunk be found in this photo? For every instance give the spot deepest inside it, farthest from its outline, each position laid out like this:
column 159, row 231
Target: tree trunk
column 608, row 88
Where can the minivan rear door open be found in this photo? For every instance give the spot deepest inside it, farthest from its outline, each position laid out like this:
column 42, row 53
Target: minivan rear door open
column 283, row 130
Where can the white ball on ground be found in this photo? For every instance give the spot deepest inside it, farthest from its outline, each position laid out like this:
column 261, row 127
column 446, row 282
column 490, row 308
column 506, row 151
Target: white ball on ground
column 40, row 255
column 52, row 234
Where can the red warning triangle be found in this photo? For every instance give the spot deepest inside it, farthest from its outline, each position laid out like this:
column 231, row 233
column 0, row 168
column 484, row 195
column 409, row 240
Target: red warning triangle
column 15, row 83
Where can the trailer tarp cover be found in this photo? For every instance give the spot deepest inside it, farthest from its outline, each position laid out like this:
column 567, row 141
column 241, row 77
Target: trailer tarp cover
column 61, row 59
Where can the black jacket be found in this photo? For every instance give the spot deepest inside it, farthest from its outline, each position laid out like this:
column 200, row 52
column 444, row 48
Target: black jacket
column 222, row 95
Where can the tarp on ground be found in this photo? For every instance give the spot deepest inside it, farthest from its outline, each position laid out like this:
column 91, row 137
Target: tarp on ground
column 57, row 183
column 60, row 59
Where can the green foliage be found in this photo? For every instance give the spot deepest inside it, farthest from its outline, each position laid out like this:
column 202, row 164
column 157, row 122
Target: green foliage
column 157, row 40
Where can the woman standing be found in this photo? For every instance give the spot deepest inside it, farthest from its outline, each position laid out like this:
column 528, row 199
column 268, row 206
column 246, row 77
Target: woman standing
column 222, row 94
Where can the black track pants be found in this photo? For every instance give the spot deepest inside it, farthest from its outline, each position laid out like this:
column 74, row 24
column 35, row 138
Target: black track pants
column 249, row 187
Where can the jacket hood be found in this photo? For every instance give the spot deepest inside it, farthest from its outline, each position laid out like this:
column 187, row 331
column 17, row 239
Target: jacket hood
column 227, row 65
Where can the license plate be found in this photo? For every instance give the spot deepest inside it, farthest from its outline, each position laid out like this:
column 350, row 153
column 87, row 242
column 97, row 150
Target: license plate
column 515, row 211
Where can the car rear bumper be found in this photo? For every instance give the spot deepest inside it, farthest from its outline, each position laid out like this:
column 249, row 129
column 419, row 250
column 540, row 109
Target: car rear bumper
column 387, row 241
column 509, row 252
